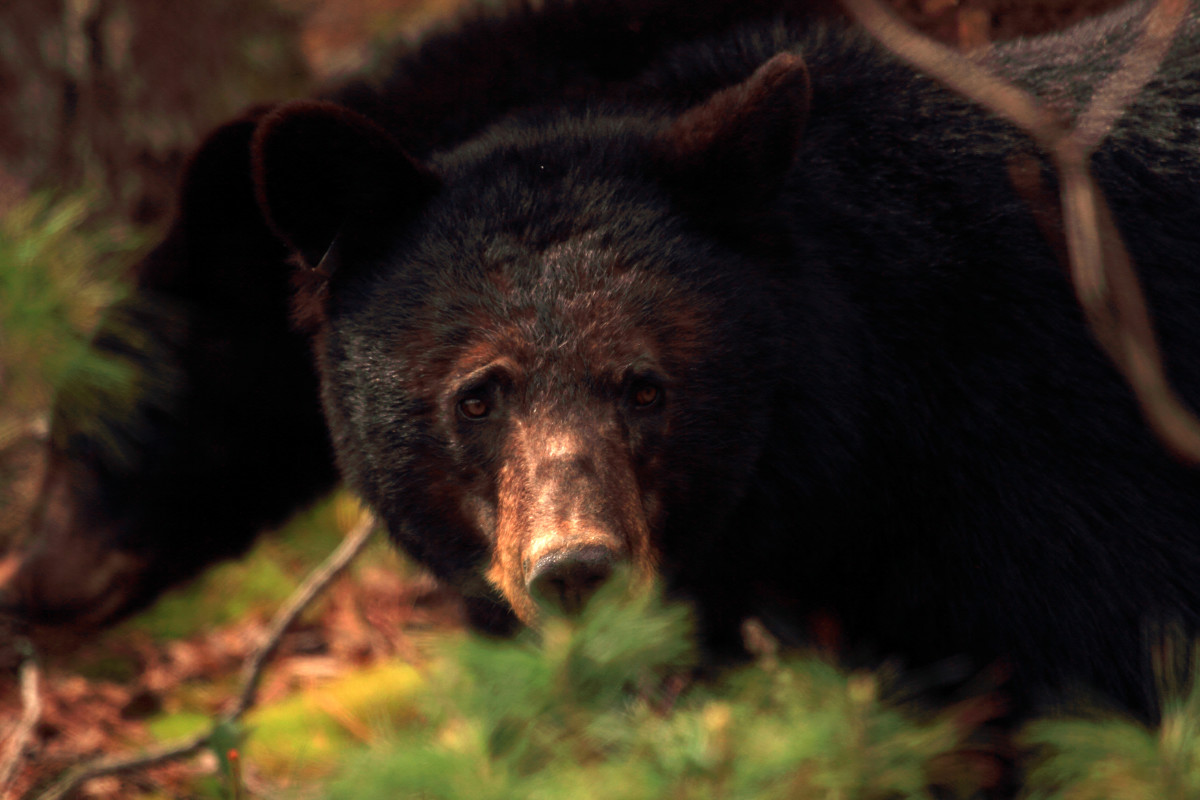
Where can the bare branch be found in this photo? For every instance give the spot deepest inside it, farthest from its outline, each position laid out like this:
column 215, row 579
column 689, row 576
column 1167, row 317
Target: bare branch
column 1137, row 68
column 1139, row 356
column 1101, row 270
column 958, row 72
column 313, row 585
column 31, row 714
column 118, row 764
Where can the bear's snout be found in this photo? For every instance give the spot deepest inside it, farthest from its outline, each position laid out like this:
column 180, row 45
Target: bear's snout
column 566, row 578
column 578, row 521
column 570, row 512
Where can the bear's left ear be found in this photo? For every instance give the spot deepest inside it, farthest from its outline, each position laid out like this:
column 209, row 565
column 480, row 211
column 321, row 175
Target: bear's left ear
column 319, row 166
column 734, row 149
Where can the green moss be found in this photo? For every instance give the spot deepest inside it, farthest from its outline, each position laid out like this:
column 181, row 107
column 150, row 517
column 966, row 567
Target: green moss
column 308, row 538
column 171, row 727
column 256, row 584
column 224, row 594
column 304, row 736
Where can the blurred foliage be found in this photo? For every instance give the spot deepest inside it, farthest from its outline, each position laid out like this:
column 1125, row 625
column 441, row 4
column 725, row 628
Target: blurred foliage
column 605, row 707
column 1113, row 758
column 60, row 267
column 58, row 271
column 590, row 710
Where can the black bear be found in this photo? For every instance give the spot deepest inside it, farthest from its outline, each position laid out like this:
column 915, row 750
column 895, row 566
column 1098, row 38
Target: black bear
column 227, row 435
column 762, row 316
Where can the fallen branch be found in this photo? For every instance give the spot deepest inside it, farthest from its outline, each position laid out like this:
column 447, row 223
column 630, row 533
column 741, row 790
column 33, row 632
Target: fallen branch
column 31, row 714
column 313, row 585
column 308, row 591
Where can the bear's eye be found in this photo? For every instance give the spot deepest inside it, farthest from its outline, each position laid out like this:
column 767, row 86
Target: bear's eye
column 645, row 394
column 473, row 407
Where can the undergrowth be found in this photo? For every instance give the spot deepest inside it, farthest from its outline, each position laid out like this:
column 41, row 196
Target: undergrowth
column 606, row 708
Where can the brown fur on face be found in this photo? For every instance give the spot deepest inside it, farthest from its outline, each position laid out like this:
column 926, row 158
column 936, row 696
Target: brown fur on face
column 566, row 485
column 563, row 475
column 573, row 467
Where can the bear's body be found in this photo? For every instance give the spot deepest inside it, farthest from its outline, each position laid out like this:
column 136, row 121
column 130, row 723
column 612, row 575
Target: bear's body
column 767, row 319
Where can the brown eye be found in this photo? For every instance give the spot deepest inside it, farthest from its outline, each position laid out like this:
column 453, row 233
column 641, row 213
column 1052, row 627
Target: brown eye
column 473, row 407
column 645, row 395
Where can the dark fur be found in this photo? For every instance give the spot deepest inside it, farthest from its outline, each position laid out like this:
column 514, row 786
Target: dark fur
column 879, row 400
column 144, row 497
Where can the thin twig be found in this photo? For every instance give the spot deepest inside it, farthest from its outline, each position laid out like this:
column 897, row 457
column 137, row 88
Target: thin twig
column 957, row 72
column 117, row 764
column 1108, row 287
column 1137, row 68
column 1091, row 263
column 31, row 714
column 313, row 585
column 1101, row 270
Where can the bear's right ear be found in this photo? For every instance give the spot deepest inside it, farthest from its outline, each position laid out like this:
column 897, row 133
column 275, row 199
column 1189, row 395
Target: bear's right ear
column 318, row 166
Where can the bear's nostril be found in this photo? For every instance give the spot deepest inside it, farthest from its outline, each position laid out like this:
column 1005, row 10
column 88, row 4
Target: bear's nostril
column 567, row 579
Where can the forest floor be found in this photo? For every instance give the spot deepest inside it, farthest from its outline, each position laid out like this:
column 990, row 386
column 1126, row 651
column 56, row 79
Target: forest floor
column 172, row 670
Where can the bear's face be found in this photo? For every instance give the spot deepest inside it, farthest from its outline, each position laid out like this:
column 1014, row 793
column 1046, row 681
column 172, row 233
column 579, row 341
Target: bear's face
column 529, row 406
column 535, row 364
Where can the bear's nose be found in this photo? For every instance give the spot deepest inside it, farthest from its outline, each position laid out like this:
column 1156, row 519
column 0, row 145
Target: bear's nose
column 567, row 578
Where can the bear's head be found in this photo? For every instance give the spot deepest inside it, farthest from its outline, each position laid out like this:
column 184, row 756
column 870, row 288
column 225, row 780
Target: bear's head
column 550, row 351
